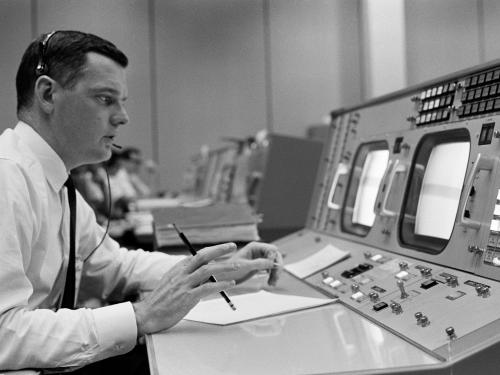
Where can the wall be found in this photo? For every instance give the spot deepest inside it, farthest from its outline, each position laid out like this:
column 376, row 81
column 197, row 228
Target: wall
column 203, row 70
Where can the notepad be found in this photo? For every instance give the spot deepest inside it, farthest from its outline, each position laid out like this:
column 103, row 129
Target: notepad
column 323, row 258
column 251, row 306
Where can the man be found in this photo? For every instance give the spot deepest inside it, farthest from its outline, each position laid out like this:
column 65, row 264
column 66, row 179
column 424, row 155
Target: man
column 71, row 91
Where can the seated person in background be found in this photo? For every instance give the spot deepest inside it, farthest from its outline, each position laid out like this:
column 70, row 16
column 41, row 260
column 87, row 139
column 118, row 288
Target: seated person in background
column 132, row 165
column 71, row 90
column 122, row 191
column 91, row 182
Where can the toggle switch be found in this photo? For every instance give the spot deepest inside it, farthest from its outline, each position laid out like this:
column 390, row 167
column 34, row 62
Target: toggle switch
column 401, row 286
column 403, row 266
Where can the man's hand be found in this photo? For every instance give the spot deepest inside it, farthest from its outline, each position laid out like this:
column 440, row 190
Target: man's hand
column 256, row 256
column 185, row 284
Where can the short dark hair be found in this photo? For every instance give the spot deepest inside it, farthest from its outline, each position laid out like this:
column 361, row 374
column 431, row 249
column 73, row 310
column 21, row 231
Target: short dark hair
column 64, row 57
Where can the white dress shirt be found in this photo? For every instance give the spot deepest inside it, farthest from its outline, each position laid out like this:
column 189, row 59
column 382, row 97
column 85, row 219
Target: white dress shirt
column 34, row 249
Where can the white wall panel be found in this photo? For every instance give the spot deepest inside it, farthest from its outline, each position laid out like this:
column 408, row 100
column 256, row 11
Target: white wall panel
column 15, row 35
column 442, row 37
column 314, row 60
column 210, row 77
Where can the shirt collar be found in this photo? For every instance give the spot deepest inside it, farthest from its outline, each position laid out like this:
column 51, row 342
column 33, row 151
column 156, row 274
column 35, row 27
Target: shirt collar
column 51, row 163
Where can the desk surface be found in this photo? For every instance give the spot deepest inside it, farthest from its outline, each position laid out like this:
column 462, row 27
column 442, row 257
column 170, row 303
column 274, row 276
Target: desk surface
column 329, row 339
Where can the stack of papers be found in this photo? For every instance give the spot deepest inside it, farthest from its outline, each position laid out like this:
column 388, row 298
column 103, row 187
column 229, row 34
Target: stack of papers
column 251, row 306
column 326, row 257
column 220, row 222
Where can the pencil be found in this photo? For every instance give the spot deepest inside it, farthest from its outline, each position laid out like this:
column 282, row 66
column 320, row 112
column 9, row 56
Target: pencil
column 211, row 278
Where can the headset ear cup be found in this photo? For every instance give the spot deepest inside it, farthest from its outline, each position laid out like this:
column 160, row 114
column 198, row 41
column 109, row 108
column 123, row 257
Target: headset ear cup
column 41, row 68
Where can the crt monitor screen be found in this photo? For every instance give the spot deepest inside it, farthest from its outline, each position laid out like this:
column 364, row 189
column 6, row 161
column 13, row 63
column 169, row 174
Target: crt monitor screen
column 434, row 189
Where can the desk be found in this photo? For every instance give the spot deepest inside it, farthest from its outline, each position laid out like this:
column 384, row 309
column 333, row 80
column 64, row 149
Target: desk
column 329, row 339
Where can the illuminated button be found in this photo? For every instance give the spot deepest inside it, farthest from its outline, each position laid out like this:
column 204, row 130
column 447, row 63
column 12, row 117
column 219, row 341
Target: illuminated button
column 493, row 89
column 452, row 86
column 403, row 275
column 336, row 283
column 431, row 105
column 496, row 261
column 434, row 91
column 439, row 90
column 495, row 225
column 489, row 105
column 477, row 93
column 489, row 76
column 377, row 257
column 481, row 78
column 482, row 106
column 328, row 280
column 428, row 93
column 497, row 210
column 496, row 74
column 358, row 296
column 473, row 81
column 486, row 91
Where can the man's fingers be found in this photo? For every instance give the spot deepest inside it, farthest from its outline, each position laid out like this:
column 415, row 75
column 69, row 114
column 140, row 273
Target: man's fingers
column 208, row 254
column 275, row 272
column 202, row 274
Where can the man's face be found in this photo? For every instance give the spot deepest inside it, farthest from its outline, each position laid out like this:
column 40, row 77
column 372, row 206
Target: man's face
column 86, row 117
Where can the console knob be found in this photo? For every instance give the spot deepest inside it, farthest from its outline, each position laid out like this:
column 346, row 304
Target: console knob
column 396, row 308
column 367, row 254
column 355, row 288
column 424, row 321
column 418, row 316
column 403, row 266
column 373, row 296
column 450, row 331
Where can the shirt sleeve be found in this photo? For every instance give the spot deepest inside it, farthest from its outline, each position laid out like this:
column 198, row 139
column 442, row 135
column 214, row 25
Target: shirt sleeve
column 32, row 334
column 111, row 272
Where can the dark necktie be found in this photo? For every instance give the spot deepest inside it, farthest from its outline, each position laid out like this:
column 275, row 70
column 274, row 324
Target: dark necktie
column 68, row 300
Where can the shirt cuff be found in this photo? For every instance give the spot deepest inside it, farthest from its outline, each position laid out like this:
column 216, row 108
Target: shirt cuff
column 116, row 329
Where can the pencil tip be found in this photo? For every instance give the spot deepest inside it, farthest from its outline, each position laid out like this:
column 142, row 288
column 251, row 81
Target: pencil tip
column 232, row 306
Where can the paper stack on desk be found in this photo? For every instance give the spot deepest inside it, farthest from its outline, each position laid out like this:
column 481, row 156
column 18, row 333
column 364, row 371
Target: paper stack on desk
column 251, row 306
column 321, row 259
column 220, row 222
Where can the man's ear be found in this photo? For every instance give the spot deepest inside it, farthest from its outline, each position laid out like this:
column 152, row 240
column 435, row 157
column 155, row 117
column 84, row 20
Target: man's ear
column 44, row 93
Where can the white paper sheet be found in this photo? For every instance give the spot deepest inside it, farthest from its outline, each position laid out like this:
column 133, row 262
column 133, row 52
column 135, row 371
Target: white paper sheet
column 441, row 188
column 250, row 306
column 321, row 259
